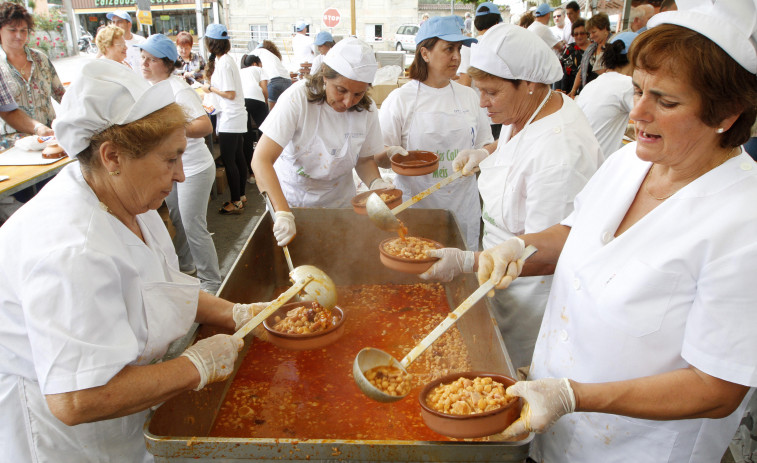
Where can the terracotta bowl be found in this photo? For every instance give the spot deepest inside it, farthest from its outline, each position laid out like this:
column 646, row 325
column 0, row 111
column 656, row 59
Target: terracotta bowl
column 469, row 426
column 358, row 202
column 302, row 341
column 415, row 163
column 405, row 265
column 53, row 151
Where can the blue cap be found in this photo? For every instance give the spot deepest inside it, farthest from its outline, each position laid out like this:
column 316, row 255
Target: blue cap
column 217, row 31
column 160, row 46
column 323, row 37
column 543, row 10
column 487, row 8
column 300, row 26
column 120, row 14
column 626, row 38
column 444, row 27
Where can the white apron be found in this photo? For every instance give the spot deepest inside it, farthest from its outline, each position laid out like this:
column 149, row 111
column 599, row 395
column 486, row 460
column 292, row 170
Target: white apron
column 446, row 134
column 316, row 177
column 170, row 309
column 519, row 308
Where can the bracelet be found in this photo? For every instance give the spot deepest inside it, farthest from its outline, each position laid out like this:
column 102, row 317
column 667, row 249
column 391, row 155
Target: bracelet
column 37, row 126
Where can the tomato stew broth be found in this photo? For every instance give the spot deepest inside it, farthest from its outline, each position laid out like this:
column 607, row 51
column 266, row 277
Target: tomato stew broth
column 279, row 393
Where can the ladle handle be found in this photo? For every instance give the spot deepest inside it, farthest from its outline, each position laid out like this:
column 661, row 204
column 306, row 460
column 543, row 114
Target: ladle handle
column 453, row 317
column 272, row 307
column 269, row 206
column 424, row 194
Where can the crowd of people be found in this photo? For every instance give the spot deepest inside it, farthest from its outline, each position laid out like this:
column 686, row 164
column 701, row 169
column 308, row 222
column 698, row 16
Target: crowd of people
column 633, row 320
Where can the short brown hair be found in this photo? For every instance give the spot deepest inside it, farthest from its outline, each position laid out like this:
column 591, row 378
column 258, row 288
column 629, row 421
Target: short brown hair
column 725, row 88
column 107, row 35
column 419, row 68
column 13, row 12
column 184, row 38
column 599, row 21
column 579, row 23
column 316, row 88
column 136, row 138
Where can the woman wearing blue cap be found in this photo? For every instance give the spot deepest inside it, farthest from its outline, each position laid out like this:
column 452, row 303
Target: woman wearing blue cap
column 188, row 201
column 434, row 113
column 222, row 79
column 324, row 42
column 608, row 99
column 320, row 130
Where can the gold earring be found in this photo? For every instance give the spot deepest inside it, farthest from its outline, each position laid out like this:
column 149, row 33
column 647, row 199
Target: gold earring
column 114, row 173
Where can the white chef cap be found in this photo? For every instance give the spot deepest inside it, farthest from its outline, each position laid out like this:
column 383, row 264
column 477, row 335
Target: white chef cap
column 105, row 94
column 731, row 24
column 512, row 52
column 352, row 58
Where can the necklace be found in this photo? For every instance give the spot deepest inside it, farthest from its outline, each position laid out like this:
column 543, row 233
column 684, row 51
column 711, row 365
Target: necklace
column 646, row 183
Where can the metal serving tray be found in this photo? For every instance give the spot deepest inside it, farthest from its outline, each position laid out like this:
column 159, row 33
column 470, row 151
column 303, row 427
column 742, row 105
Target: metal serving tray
column 345, row 246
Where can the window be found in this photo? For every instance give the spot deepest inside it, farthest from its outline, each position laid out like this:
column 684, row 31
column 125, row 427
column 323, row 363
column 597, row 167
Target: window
column 259, row 32
column 374, row 32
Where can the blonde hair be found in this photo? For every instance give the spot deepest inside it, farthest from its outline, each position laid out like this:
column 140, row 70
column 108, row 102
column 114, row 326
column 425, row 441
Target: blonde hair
column 137, row 138
column 106, row 36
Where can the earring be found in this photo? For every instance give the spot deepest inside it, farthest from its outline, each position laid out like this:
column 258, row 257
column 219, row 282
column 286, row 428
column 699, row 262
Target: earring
column 114, row 173
column 720, row 130
column 530, row 92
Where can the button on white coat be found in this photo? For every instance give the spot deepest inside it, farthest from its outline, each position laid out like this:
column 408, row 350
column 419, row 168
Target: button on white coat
column 563, row 335
column 576, row 283
column 747, row 165
column 606, row 237
column 557, row 129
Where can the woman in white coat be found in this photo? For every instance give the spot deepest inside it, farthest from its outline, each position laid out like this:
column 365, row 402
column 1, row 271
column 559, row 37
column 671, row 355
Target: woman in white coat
column 188, row 201
column 546, row 154
column 320, row 129
column 608, row 99
column 652, row 310
column 434, row 113
column 91, row 290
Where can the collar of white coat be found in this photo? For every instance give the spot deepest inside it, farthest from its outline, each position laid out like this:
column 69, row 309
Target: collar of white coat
column 731, row 24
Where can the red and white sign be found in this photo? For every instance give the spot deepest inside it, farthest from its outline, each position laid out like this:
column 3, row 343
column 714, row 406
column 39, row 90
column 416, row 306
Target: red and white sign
column 331, row 17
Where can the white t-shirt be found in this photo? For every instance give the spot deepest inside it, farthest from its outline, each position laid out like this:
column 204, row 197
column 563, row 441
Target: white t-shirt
column 567, row 35
column 272, row 65
column 317, row 61
column 233, row 117
column 607, row 102
column 302, row 46
column 544, row 33
column 134, row 54
column 251, row 77
column 197, row 156
column 674, row 290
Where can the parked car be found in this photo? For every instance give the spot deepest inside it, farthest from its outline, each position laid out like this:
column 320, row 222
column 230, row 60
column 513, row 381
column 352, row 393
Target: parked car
column 404, row 38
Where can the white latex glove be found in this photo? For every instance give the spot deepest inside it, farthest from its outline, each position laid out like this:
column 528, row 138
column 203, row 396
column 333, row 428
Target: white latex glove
column 380, row 183
column 546, row 400
column 214, row 357
column 242, row 313
column 452, row 262
column 283, row 228
column 392, row 150
column 467, row 160
column 502, row 263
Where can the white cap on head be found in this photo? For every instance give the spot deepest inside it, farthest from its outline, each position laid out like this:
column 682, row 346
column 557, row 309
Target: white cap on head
column 512, row 52
column 105, row 94
column 731, row 24
column 352, row 58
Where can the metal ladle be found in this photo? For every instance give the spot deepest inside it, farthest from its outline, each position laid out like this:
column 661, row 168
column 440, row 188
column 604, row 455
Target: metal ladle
column 313, row 281
column 386, row 219
column 370, row 357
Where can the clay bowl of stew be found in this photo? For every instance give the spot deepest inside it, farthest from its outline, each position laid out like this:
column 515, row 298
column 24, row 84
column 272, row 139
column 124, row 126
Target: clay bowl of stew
column 476, row 424
column 321, row 337
column 415, row 163
column 392, row 197
column 408, row 259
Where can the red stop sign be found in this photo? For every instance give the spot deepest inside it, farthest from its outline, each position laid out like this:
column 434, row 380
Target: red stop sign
column 331, row 17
